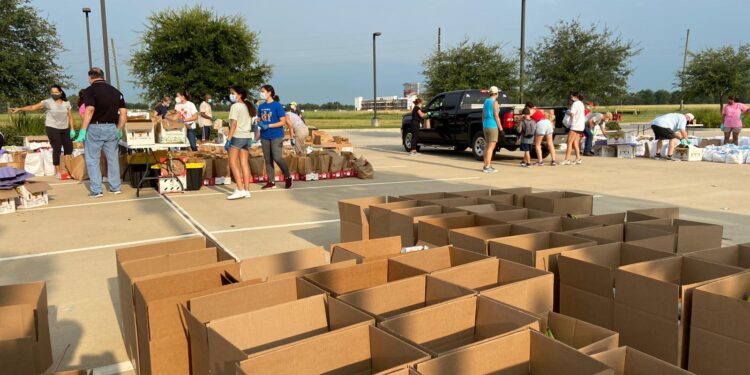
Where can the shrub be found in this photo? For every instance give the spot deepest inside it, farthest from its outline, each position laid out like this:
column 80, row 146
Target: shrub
column 710, row 118
column 613, row 125
column 22, row 125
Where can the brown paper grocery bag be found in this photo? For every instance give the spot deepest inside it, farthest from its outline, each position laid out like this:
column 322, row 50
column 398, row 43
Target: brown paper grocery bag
column 221, row 167
column 291, row 163
column 337, row 161
column 257, row 166
column 324, row 164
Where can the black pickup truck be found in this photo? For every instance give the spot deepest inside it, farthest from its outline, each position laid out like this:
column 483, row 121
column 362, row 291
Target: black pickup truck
column 455, row 119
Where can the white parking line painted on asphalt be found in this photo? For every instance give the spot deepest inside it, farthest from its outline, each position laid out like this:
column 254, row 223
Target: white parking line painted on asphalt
column 90, row 204
column 275, row 226
column 65, row 183
column 121, row 244
column 117, row 368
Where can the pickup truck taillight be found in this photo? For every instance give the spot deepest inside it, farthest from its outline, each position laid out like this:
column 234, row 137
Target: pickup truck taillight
column 508, row 121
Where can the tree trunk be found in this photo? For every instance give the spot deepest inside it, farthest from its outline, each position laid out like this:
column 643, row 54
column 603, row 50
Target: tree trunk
column 721, row 103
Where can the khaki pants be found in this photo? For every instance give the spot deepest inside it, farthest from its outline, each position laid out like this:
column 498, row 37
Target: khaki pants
column 300, row 134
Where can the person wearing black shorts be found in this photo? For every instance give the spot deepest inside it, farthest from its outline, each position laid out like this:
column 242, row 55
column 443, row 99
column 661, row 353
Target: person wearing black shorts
column 670, row 127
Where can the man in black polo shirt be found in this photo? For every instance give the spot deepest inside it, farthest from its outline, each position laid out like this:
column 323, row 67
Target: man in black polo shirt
column 101, row 129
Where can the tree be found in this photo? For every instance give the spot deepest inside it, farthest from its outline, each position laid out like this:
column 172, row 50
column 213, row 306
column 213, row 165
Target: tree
column 28, row 48
column 469, row 65
column 196, row 50
column 574, row 58
column 662, row 97
column 717, row 72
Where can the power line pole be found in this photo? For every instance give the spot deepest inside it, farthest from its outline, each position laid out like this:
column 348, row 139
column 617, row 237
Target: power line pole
column 523, row 49
column 684, row 65
column 439, row 39
column 114, row 58
column 107, row 74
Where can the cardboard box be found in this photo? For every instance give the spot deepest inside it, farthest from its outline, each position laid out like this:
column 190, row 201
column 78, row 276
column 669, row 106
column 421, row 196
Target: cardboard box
column 587, row 279
column 605, row 151
column 628, row 361
column 689, row 235
column 199, row 312
column 367, row 250
column 736, row 256
column 435, row 230
column 263, row 267
column 361, row 276
column 489, row 195
column 477, row 239
column 520, row 286
column 463, row 322
column 654, row 300
column 452, row 202
column 585, row 337
column 8, row 201
column 139, row 133
column 561, row 202
column 403, row 222
column 517, row 215
column 72, row 372
column 356, row 350
column 380, row 216
column 606, row 219
column 25, row 347
column 637, row 235
column 397, row 297
column 689, row 153
column 429, row 196
column 439, row 258
column 33, row 194
column 355, row 214
column 35, row 142
column 233, row 339
column 483, row 208
column 653, row 213
column 558, row 224
column 710, row 142
column 523, row 352
column 519, row 193
column 626, row 151
column 719, row 332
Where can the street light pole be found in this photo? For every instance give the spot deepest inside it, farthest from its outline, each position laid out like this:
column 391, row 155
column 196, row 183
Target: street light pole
column 105, row 42
column 375, row 123
column 86, row 11
column 523, row 48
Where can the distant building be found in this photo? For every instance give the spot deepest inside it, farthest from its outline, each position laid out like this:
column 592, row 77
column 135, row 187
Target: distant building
column 391, row 103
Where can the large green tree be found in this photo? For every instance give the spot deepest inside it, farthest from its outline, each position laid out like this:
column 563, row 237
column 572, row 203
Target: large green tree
column 29, row 47
column 717, row 73
column 576, row 58
column 470, row 65
column 195, row 49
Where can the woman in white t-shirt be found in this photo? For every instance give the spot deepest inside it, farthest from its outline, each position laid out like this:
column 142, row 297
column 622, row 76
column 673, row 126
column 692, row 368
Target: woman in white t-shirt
column 189, row 114
column 577, row 115
column 240, row 137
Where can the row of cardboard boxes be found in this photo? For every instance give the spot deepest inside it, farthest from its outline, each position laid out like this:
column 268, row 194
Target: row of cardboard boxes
column 28, row 195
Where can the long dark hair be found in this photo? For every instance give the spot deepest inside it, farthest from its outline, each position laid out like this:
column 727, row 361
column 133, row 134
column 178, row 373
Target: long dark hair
column 529, row 105
column 186, row 95
column 271, row 90
column 81, row 97
column 62, row 92
column 242, row 92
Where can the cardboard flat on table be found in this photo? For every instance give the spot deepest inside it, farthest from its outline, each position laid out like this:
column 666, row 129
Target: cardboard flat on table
column 354, row 215
column 198, row 312
column 380, row 216
column 275, row 264
column 235, row 338
column 561, row 202
column 520, row 286
column 689, row 235
column 439, row 258
column 653, row 213
column 558, row 224
column 654, row 300
column 516, row 215
column 736, row 256
column 582, row 336
column 25, row 346
column 520, row 353
column 587, row 279
column 476, row 239
column 463, row 322
column 397, row 297
column 356, row 350
column 361, row 276
column 366, row 250
column 606, row 219
column 435, row 230
column 487, row 207
column 429, row 196
column 628, row 361
column 403, row 222
column 719, row 331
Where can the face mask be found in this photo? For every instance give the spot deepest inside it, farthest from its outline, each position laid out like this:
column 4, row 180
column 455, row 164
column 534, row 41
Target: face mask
column 233, row 98
column 263, row 95
column 177, row 100
column 56, row 96
column 210, row 101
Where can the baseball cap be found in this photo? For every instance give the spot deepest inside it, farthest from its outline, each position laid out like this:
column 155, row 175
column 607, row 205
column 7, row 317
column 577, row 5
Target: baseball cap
column 689, row 116
column 494, row 90
column 293, row 104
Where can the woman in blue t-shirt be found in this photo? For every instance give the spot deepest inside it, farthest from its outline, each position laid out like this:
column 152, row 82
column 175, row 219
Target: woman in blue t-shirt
column 271, row 121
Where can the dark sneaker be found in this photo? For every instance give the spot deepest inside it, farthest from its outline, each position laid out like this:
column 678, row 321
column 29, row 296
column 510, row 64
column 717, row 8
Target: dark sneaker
column 95, row 195
column 269, row 185
column 657, row 157
column 288, row 183
column 668, row 158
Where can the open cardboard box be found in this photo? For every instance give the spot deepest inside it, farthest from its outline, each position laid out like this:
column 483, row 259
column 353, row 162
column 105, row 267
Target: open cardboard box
column 582, row 336
column 628, row 361
column 736, row 256
column 380, row 216
column 355, row 350
column 606, row 219
column 519, row 353
column 689, row 235
column 263, row 267
column 361, row 276
column 366, row 250
column 235, row 338
column 637, row 235
column 355, row 216
column 435, row 230
column 654, row 300
column 587, row 279
column 486, row 208
column 462, row 323
column 397, row 297
column 477, row 239
column 429, row 196
column 200, row 311
column 439, row 258
column 523, row 287
column 719, row 330
column 453, row 202
column 25, row 346
column 403, row 222
column 558, row 224
column 653, row 213
column 517, row 215
column 510, row 196
column 561, row 202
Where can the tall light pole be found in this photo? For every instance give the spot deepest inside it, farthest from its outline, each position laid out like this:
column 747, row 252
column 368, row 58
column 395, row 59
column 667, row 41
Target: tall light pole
column 375, row 123
column 523, row 48
column 684, row 65
column 86, row 11
column 104, row 40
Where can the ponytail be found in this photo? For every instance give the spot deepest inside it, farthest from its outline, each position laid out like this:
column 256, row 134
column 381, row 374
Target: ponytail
column 242, row 92
column 271, row 91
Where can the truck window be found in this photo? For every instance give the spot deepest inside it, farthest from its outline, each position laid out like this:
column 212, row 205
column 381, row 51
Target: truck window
column 436, row 104
column 474, row 99
column 451, row 101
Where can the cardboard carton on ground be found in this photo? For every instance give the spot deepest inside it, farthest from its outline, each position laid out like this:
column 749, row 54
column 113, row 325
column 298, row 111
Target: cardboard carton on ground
column 199, row 312
column 587, row 279
column 397, row 297
column 606, row 219
column 719, row 332
column 355, row 216
column 654, row 300
column 637, row 235
column 435, row 230
column 519, row 353
column 490, row 196
column 561, row 202
column 463, row 322
column 689, row 235
column 361, row 276
column 367, row 250
column 519, row 194
column 517, row 215
column 439, row 258
column 403, row 222
column 8, row 201
column 72, row 372
column 380, row 216
column 33, row 194
column 235, row 338
column 25, row 346
column 558, row 224
column 520, row 286
column 429, row 196
column 477, row 239
column 355, row 350
column 736, row 256
column 126, row 254
column 453, row 202
column 653, row 213
column 263, row 267
column 488, row 207
column 628, row 361
column 582, row 336
column 405, row 371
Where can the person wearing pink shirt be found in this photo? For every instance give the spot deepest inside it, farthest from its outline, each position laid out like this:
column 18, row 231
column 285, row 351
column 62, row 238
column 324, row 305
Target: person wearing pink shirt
column 732, row 120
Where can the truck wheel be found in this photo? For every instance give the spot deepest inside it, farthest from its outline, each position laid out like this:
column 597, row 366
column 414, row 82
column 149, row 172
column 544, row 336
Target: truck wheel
column 407, row 139
column 478, row 145
column 545, row 152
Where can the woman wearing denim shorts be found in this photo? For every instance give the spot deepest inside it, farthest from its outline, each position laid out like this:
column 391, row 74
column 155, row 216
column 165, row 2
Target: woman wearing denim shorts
column 240, row 138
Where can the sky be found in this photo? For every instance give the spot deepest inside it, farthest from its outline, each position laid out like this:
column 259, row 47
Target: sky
column 322, row 50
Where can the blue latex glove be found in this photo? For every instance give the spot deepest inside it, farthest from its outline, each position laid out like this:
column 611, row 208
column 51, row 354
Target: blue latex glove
column 81, row 136
column 119, row 134
column 72, row 133
column 721, row 126
column 683, row 142
column 226, row 145
column 264, row 127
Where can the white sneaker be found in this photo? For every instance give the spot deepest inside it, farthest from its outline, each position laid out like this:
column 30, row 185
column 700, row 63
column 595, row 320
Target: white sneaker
column 579, row 162
column 565, row 162
column 238, row 194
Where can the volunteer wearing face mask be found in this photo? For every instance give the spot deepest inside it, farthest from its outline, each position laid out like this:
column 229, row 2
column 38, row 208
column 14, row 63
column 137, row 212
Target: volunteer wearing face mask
column 239, row 139
column 189, row 114
column 271, row 120
column 206, row 117
column 58, row 122
column 298, row 132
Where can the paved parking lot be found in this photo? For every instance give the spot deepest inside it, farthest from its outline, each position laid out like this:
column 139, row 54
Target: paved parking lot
column 70, row 244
